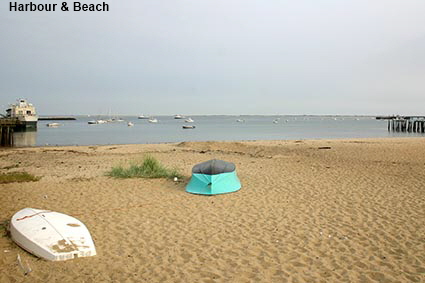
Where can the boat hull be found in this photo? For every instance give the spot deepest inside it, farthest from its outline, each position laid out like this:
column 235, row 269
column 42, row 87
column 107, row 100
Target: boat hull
column 51, row 235
column 204, row 184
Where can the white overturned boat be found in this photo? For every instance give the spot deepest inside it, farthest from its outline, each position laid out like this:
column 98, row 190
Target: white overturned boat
column 130, row 124
column 189, row 120
column 51, row 235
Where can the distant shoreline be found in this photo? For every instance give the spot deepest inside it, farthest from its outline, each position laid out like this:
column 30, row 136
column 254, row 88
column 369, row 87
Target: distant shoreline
column 221, row 115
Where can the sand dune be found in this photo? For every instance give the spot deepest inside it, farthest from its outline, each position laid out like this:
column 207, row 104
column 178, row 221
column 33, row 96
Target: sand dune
column 308, row 211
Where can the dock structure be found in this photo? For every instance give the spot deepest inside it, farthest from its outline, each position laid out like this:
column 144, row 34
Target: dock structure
column 407, row 124
column 57, row 118
column 7, row 127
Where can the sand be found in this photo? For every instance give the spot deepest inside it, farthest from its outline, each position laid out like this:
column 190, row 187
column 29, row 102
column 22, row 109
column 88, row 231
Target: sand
column 309, row 211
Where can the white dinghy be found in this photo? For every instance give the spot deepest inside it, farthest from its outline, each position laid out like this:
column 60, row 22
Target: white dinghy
column 51, row 235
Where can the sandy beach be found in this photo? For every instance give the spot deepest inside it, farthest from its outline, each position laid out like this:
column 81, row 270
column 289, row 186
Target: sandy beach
column 308, row 211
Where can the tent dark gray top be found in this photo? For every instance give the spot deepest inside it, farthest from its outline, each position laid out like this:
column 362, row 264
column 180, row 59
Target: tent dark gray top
column 213, row 167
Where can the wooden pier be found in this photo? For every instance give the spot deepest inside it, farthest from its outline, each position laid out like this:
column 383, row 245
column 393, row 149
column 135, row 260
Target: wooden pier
column 57, row 118
column 407, row 124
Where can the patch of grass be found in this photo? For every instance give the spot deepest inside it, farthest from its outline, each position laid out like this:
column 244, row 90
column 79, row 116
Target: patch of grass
column 17, row 177
column 148, row 168
column 4, row 225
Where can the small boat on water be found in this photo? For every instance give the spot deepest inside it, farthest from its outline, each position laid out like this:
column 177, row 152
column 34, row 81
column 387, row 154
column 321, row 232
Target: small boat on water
column 95, row 122
column 188, row 127
column 114, row 120
column 178, row 116
column 153, row 120
column 53, row 125
column 130, row 124
column 143, row 117
column 189, row 120
column 51, row 235
column 240, row 120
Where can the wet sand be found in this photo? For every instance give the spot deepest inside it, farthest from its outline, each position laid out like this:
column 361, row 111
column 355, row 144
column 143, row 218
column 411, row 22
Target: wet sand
column 308, row 211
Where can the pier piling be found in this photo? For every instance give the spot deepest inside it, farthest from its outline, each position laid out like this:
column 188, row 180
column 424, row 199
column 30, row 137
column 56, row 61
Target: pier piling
column 405, row 124
column 7, row 127
column 6, row 136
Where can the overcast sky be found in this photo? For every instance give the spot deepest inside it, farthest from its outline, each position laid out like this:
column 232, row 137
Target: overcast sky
column 217, row 57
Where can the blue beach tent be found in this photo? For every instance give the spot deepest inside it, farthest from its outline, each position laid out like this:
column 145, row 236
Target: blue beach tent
column 213, row 177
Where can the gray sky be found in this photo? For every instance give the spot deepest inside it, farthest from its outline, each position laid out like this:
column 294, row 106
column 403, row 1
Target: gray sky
column 217, row 57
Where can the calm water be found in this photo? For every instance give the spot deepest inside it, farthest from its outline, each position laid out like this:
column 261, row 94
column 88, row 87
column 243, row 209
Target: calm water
column 168, row 129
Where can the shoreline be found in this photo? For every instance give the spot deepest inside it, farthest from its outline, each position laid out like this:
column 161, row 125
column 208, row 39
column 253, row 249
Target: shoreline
column 222, row 141
column 346, row 210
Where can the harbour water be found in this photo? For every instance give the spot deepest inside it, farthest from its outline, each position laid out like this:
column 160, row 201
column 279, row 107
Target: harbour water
column 217, row 128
